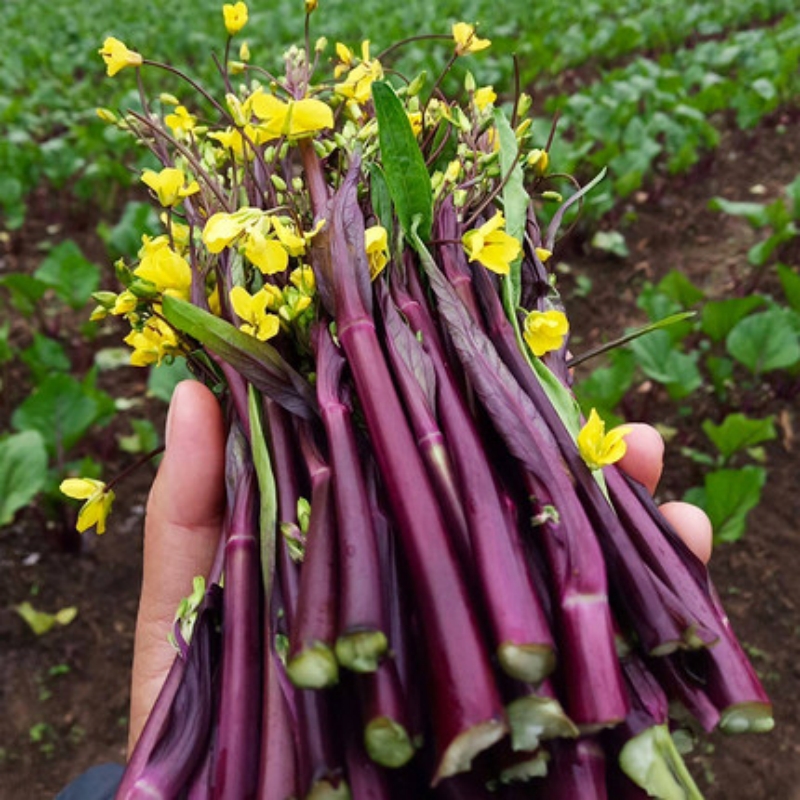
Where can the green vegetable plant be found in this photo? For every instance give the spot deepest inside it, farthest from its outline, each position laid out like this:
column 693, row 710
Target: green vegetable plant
column 51, row 423
column 736, row 362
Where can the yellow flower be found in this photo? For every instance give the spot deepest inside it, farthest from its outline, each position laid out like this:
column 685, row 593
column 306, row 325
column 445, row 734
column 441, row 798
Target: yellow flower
column 235, row 16
column 598, row 448
column 345, row 60
column 466, row 40
column 294, row 119
column 153, row 343
column 303, row 279
column 484, row 97
column 268, row 255
column 117, row 56
column 181, row 122
column 311, row 6
column 544, row 331
column 252, row 309
column 492, row 246
column 358, row 84
column 98, row 499
column 169, row 185
column 295, row 245
column 163, row 267
column 376, row 242
column 543, row 254
column 221, row 228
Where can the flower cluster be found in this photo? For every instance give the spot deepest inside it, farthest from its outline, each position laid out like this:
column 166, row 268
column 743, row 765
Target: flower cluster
column 235, row 194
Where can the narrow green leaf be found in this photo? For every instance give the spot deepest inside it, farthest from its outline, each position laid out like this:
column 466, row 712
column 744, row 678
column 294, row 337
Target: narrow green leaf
column 515, row 206
column 660, row 324
column 23, row 470
column 754, row 213
column 268, row 510
column 404, row 167
column 258, row 362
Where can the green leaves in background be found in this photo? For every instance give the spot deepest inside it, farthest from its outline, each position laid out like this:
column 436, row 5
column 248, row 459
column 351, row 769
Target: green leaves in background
column 23, row 469
column 62, row 409
column 70, row 274
column 765, row 341
column 663, row 362
column 719, row 317
column 727, row 496
column 738, row 432
column 125, row 238
column 403, row 165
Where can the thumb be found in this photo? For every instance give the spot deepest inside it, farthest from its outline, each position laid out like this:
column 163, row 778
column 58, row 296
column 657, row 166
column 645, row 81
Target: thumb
column 182, row 532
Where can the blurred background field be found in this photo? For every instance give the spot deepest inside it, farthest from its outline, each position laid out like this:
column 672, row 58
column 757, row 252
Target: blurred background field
column 693, row 108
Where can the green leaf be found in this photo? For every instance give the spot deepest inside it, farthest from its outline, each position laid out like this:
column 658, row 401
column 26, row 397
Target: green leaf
column 268, row 508
column 738, row 432
column 125, row 237
column 790, row 281
column 258, row 362
column 45, row 356
column 404, row 167
column 765, row 341
column 23, row 469
column 25, row 290
column 720, row 316
column 60, row 409
column 679, row 288
column 6, row 353
column 755, row 213
column 606, row 386
column 611, row 242
column 727, row 497
column 515, row 205
column 40, row 622
column 144, row 438
column 660, row 360
column 70, row 274
column 165, row 377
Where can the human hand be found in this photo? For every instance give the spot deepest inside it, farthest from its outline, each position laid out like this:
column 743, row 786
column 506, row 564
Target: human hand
column 184, row 523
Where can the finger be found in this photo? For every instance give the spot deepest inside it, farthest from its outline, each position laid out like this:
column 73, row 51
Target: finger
column 644, row 455
column 182, row 531
column 692, row 525
column 644, row 462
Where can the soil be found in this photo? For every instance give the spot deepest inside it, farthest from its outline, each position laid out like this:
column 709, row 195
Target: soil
column 65, row 694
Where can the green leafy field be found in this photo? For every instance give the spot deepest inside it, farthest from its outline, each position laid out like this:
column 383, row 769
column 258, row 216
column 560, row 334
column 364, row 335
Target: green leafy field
column 649, row 81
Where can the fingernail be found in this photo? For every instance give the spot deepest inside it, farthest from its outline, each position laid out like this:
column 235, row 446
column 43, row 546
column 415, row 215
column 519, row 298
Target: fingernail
column 173, row 403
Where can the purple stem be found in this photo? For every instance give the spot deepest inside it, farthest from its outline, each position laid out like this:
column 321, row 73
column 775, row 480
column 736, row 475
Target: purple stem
column 235, row 772
column 312, row 662
column 467, row 712
column 362, row 640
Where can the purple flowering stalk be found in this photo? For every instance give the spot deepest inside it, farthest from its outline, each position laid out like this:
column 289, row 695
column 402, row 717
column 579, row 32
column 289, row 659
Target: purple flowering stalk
column 406, row 497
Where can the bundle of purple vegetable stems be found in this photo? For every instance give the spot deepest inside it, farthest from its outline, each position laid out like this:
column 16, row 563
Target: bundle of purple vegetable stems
column 423, row 589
